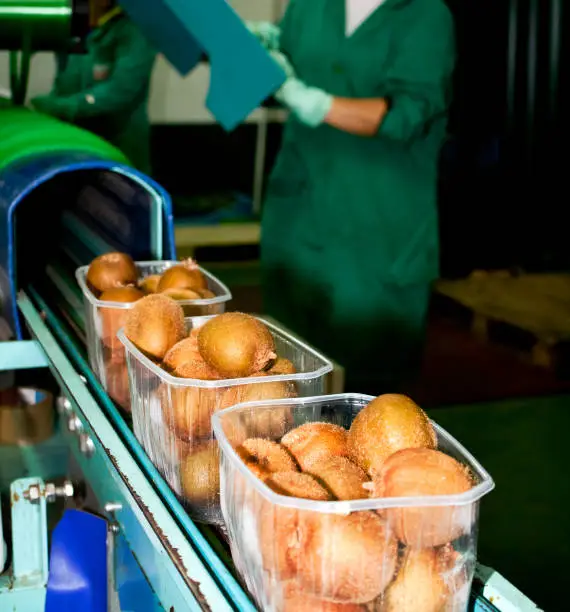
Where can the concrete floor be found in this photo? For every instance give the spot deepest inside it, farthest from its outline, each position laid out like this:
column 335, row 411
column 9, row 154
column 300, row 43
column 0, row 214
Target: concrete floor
column 465, row 385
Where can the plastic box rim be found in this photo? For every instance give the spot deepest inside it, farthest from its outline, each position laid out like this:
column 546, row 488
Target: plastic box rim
column 486, row 484
column 225, row 296
column 167, row 378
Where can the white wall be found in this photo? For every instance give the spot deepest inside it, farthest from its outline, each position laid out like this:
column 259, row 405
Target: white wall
column 173, row 99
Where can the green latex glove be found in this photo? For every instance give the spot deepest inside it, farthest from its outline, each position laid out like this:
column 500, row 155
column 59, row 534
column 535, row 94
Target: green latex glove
column 267, row 33
column 64, row 108
column 309, row 104
column 283, row 63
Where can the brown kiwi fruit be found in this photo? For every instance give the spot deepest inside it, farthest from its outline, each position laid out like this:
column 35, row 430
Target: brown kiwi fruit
column 343, row 478
column 236, row 345
column 264, row 423
column 296, row 484
column 155, row 324
column 313, row 442
column 185, row 351
column 301, row 602
column 419, row 472
column 187, row 275
column 348, row 559
column 206, row 294
column 267, row 455
column 110, row 271
column 149, row 284
column 112, row 319
column 282, row 367
column 182, row 294
column 200, row 475
column 117, row 384
column 388, row 424
column 187, row 411
column 419, row 585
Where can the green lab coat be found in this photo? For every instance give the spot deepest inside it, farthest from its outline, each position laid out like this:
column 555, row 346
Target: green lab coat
column 349, row 230
column 106, row 91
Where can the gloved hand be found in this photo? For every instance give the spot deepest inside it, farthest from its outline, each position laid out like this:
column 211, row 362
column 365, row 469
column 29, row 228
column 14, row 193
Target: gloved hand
column 309, row 104
column 55, row 106
column 267, row 33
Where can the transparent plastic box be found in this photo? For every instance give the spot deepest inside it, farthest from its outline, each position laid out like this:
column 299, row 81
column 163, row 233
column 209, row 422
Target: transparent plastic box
column 172, row 416
column 298, row 554
column 104, row 319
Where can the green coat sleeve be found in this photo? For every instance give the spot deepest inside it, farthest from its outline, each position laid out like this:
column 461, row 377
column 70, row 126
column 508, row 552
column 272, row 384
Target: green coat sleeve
column 127, row 82
column 419, row 80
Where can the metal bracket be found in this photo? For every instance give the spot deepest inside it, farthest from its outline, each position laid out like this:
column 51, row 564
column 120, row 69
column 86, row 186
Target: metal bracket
column 22, row 355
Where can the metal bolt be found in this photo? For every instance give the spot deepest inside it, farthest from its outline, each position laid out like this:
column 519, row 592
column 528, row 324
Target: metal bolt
column 74, row 424
column 65, row 491
column 114, row 528
column 86, row 445
column 63, row 405
column 111, row 507
column 33, row 494
column 83, row 378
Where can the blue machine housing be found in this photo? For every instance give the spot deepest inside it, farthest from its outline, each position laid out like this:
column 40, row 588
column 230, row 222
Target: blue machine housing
column 106, row 206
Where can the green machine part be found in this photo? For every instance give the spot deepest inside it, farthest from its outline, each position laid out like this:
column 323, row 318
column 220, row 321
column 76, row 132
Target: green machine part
column 27, row 26
column 25, row 134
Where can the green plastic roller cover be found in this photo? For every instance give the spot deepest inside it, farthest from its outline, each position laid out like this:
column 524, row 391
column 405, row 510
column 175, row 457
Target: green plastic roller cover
column 46, row 25
column 25, row 134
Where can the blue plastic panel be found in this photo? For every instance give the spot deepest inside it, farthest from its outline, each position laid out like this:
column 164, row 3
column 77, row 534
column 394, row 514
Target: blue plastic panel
column 132, row 215
column 242, row 73
column 78, row 564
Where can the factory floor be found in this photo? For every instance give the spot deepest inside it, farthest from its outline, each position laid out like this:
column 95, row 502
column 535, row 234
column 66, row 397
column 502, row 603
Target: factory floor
column 471, row 389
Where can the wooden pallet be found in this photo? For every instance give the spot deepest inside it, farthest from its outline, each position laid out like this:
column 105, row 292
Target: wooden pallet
column 533, row 310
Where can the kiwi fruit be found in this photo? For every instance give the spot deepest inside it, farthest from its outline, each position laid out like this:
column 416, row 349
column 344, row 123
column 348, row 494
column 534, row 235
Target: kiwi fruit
column 154, row 325
column 182, row 294
column 149, row 284
column 348, row 559
column 200, row 475
column 187, row 411
column 301, row 602
column 187, row 275
column 343, row 478
column 112, row 319
column 268, row 455
column 388, row 424
column 117, row 384
column 236, row 345
column 110, row 271
column 281, row 367
column 419, row 585
column 185, row 351
column 296, row 484
column 420, row 472
column 313, row 442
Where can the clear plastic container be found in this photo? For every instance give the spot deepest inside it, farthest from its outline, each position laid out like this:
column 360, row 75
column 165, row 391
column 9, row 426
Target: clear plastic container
column 298, row 554
column 104, row 319
column 172, row 416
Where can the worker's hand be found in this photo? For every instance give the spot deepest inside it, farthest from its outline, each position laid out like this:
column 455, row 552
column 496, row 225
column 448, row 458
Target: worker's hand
column 267, row 33
column 54, row 106
column 283, row 63
column 309, row 104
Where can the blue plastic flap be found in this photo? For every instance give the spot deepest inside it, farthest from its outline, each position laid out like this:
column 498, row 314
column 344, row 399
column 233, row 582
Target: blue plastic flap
column 166, row 32
column 116, row 216
column 243, row 74
column 78, row 564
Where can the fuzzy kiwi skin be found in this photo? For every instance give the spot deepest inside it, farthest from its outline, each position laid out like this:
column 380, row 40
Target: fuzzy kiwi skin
column 343, row 478
column 185, row 351
column 149, row 284
column 348, row 559
column 112, row 319
column 268, row 455
column 186, row 275
column 388, row 424
column 155, row 324
column 419, row 472
column 200, row 475
column 110, row 271
column 236, row 345
column 313, row 442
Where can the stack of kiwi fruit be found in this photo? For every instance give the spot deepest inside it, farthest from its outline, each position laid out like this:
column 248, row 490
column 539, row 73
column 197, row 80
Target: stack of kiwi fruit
column 397, row 559
column 114, row 278
column 226, row 347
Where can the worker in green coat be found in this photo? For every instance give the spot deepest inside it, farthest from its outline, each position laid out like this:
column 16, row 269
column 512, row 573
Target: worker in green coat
column 350, row 228
column 106, row 90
